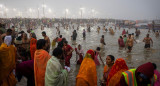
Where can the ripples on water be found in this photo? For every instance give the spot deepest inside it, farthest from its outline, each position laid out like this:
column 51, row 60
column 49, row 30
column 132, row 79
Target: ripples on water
column 137, row 57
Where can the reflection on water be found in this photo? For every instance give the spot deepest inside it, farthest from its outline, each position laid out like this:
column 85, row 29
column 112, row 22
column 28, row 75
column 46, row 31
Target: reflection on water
column 137, row 57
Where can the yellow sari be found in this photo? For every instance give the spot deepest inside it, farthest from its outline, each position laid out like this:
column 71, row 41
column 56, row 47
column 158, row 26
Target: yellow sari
column 87, row 75
column 7, row 64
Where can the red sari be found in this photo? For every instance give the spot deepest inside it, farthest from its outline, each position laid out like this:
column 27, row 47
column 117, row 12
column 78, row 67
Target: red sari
column 33, row 47
column 67, row 56
column 116, row 72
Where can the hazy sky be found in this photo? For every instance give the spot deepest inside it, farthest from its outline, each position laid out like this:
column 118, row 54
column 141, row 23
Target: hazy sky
column 119, row 9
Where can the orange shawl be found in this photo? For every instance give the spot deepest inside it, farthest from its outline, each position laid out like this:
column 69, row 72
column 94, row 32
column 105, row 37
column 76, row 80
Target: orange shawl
column 116, row 72
column 87, row 75
column 7, row 64
column 41, row 58
column 33, row 47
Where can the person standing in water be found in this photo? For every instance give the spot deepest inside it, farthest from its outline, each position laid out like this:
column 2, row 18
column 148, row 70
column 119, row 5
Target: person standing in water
column 67, row 53
column 74, row 36
column 84, row 34
column 79, row 54
column 123, row 32
column 97, row 53
column 121, row 42
column 129, row 43
column 147, row 41
column 102, row 41
column 157, row 34
column 124, row 39
column 46, row 38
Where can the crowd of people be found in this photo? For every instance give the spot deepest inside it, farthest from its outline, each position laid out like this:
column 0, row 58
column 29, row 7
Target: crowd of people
column 29, row 57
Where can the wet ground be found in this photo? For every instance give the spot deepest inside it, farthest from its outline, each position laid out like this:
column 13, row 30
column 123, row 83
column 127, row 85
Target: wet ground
column 138, row 56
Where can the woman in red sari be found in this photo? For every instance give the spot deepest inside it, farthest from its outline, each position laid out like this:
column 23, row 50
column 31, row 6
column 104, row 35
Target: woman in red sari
column 67, row 53
column 33, row 42
column 116, row 72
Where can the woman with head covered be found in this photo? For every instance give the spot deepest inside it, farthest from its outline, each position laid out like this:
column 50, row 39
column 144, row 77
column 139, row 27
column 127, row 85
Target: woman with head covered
column 87, row 75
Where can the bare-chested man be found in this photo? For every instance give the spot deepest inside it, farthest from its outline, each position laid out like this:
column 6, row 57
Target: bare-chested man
column 147, row 41
column 129, row 43
column 47, row 41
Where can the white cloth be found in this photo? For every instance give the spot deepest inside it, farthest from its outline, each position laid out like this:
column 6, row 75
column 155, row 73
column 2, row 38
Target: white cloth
column 80, row 51
column 55, row 75
column 8, row 40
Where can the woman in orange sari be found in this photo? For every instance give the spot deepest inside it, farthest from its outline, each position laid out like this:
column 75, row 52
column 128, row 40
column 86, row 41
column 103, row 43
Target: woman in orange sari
column 87, row 75
column 41, row 58
column 116, row 72
column 7, row 63
column 33, row 42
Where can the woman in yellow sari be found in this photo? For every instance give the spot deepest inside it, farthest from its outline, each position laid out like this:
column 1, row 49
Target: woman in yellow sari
column 87, row 75
column 7, row 64
column 41, row 58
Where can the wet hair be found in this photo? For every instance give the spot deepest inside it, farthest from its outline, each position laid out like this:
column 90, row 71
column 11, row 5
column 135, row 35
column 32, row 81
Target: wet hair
column 65, row 42
column 147, row 35
column 102, row 36
column 63, row 39
column 44, row 32
column 60, row 36
column 41, row 43
column 98, row 48
column 112, row 57
column 155, row 66
column 79, row 45
column 13, row 27
column 34, row 35
column 57, row 51
column 9, row 31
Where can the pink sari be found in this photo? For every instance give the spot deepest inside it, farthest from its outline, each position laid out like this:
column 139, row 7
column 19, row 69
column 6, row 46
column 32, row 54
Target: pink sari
column 96, row 60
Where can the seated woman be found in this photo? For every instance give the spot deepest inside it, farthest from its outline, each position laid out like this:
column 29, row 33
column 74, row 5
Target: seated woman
column 115, row 74
column 107, row 68
column 87, row 75
column 80, row 54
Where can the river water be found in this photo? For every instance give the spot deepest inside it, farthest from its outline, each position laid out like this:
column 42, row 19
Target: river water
column 138, row 56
